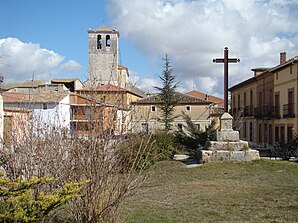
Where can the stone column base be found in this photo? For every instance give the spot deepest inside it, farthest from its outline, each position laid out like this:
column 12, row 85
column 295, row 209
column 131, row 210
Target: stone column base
column 207, row 156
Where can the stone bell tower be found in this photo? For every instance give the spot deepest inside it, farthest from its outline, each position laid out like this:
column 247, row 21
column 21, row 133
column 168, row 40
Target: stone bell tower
column 103, row 56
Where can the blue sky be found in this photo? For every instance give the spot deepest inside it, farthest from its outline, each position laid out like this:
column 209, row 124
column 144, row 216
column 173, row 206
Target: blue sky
column 61, row 26
column 49, row 38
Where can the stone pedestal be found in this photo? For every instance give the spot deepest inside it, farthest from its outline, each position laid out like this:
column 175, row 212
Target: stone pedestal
column 227, row 146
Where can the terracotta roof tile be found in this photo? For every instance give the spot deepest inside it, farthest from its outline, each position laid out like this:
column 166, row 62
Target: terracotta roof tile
column 204, row 96
column 44, row 97
column 183, row 99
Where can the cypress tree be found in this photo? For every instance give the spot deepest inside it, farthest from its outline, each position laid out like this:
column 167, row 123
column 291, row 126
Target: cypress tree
column 167, row 94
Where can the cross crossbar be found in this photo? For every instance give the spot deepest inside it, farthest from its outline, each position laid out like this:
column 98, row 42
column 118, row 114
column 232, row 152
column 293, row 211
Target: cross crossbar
column 226, row 60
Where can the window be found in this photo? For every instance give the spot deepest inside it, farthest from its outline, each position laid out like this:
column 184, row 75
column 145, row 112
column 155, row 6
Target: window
column 108, row 41
column 144, row 127
column 276, row 134
column 260, row 133
column 270, row 134
column 265, row 133
column 250, row 131
column 244, row 130
column 289, row 133
column 251, row 99
column 180, row 126
column 88, row 114
column 276, row 101
column 291, row 69
column 187, row 108
column 244, row 100
column 276, row 75
column 99, row 42
column 44, row 106
column 153, row 108
column 198, row 126
column 282, row 134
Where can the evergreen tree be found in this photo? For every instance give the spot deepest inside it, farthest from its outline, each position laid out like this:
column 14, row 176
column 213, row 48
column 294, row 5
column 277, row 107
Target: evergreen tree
column 167, row 95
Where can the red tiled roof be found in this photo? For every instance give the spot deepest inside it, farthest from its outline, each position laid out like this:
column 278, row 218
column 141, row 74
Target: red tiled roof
column 45, row 97
column 182, row 99
column 204, row 96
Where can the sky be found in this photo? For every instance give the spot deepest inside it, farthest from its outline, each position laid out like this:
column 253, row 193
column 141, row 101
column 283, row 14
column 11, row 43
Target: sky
column 48, row 39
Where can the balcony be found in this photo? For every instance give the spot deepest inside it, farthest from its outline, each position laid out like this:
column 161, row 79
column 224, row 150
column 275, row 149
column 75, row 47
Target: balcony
column 237, row 111
column 248, row 111
column 267, row 112
column 289, row 111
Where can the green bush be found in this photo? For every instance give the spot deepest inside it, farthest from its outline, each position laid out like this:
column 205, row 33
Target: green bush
column 165, row 146
column 193, row 138
column 143, row 150
column 31, row 200
column 286, row 150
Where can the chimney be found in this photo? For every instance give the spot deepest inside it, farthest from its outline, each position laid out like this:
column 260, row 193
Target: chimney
column 283, row 57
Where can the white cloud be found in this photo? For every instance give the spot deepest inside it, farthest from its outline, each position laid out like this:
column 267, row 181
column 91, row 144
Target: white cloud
column 147, row 83
column 71, row 66
column 195, row 32
column 21, row 61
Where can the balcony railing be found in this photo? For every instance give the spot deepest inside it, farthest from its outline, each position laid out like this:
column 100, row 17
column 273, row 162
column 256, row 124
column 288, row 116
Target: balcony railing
column 289, row 111
column 263, row 112
column 248, row 111
column 267, row 112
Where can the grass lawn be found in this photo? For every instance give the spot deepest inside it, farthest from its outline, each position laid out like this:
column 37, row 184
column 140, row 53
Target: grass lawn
column 261, row 191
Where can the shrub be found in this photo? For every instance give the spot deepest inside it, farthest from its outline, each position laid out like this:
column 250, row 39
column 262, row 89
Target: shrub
column 31, row 200
column 143, row 150
column 191, row 137
column 165, row 147
column 286, row 150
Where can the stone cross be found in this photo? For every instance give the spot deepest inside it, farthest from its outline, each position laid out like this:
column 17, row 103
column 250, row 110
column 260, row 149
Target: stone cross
column 226, row 60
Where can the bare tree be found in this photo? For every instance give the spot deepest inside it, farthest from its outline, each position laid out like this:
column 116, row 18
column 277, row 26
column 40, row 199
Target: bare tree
column 45, row 150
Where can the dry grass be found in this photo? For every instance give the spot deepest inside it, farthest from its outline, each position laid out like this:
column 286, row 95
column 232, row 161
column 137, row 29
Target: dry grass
column 262, row 191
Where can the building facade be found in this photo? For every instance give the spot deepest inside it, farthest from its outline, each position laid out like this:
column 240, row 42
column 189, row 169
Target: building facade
column 266, row 104
column 103, row 56
column 49, row 109
column 146, row 113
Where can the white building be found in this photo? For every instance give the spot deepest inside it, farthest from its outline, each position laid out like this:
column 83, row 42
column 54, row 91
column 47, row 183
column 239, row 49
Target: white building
column 49, row 109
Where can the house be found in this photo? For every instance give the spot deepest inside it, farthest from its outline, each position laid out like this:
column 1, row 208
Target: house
column 37, row 86
column 49, row 109
column 146, row 113
column 25, row 87
column 72, row 84
column 16, row 125
column 216, row 101
column 109, row 93
column 216, row 108
column 91, row 116
column 267, row 104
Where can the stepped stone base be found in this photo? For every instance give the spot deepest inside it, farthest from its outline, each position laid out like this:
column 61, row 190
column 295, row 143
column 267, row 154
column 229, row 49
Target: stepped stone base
column 207, row 156
column 227, row 136
column 230, row 146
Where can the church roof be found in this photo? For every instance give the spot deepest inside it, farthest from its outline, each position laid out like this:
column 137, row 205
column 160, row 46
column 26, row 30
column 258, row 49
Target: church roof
column 104, row 29
column 183, row 99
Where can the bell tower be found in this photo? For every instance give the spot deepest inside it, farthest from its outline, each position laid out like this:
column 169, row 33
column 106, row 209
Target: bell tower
column 103, row 56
